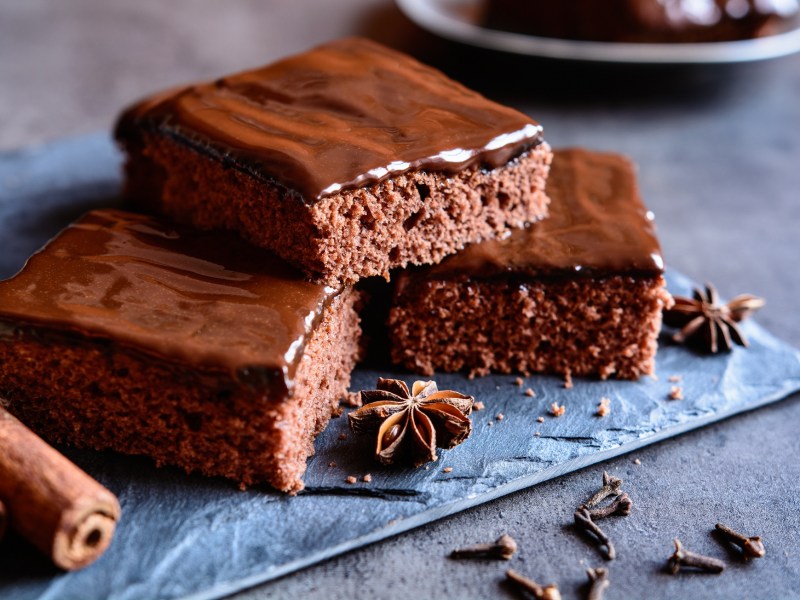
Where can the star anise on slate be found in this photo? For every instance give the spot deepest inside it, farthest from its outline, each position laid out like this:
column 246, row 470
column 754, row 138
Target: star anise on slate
column 706, row 323
column 411, row 425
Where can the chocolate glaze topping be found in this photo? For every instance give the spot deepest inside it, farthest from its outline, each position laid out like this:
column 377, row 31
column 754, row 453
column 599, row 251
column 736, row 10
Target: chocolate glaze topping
column 207, row 300
column 597, row 226
column 345, row 114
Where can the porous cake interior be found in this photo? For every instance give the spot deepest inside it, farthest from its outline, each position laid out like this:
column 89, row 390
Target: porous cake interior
column 96, row 394
column 578, row 326
column 413, row 218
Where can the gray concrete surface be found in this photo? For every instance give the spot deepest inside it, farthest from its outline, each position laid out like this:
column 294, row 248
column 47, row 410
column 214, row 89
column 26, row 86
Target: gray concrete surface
column 719, row 153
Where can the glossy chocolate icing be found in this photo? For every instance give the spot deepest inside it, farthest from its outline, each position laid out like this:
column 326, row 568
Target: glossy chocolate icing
column 206, row 300
column 342, row 115
column 597, row 226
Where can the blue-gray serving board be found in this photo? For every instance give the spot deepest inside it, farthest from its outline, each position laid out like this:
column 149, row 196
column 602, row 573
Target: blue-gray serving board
column 188, row 537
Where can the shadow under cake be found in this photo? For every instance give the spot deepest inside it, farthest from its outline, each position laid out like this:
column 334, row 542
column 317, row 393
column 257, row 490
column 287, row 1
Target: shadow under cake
column 348, row 160
column 196, row 349
column 579, row 293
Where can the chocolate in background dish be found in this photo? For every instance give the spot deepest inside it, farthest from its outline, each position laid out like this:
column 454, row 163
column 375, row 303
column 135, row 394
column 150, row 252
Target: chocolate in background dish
column 642, row 21
column 208, row 300
column 598, row 225
column 344, row 114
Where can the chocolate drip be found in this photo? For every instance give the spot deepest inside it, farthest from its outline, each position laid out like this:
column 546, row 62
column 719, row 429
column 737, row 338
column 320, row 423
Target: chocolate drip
column 343, row 115
column 207, row 300
column 598, row 225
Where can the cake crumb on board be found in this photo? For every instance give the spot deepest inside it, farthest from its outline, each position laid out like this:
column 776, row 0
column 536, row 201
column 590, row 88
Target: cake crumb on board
column 604, row 407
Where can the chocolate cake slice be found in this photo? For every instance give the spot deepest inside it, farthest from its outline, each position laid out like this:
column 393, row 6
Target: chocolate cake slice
column 579, row 293
column 128, row 333
column 348, row 160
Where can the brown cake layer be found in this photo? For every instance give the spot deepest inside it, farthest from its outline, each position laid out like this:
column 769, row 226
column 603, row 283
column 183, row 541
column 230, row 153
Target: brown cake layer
column 659, row 21
column 196, row 349
column 347, row 160
column 579, row 293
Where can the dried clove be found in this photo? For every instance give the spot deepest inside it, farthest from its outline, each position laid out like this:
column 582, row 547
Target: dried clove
column 620, row 506
column 503, row 548
column 547, row 592
column 584, row 521
column 752, row 547
column 598, row 582
column 684, row 558
column 611, row 487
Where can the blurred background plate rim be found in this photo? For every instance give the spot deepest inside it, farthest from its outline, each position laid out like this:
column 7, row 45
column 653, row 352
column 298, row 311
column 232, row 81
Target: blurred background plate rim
column 451, row 19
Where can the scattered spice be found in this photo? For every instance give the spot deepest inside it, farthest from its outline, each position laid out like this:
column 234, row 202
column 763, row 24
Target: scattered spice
column 447, row 470
column 530, row 393
column 478, row 405
column 332, row 464
column 410, row 425
column 707, row 324
column 751, row 547
column 557, row 409
column 611, row 487
column 540, row 419
column 568, row 380
column 621, row 506
column 587, row 513
column 684, row 558
column 351, row 479
column 583, row 520
column 675, row 393
column 500, row 416
column 604, row 407
column 342, row 436
column 58, row 508
column 366, row 478
column 674, row 378
column 503, row 548
column 519, row 381
column 598, row 583
column 539, row 592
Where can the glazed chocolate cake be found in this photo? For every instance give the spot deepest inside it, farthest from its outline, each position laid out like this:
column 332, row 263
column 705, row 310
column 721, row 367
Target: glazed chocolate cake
column 347, row 160
column 642, row 21
column 579, row 293
column 128, row 333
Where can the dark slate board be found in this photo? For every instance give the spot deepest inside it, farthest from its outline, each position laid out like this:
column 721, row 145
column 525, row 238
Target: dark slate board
column 189, row 537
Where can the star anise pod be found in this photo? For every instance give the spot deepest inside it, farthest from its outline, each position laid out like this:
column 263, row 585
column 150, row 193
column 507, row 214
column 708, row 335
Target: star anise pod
column 704, row 322
column 411, row 425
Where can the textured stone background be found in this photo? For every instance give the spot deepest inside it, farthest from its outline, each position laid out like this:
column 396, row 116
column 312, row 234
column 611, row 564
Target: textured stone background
column 719, row 151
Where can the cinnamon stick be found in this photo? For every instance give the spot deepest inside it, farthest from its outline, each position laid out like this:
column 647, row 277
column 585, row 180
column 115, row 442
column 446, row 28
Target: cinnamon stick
column 50, row 501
